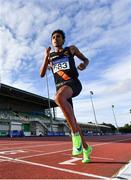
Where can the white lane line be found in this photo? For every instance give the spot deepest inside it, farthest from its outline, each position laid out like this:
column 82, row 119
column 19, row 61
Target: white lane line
column 111, row 159
column 72, row 160
column 43, row 154
column 124, row 173
column 41, row 145
column 50, row 144
column 55, row 152
column 95, row 157
column 10, row 143
column 3, row 160
column 66, row 170
column 56, row 168
column 111, row 142
column 12, row 152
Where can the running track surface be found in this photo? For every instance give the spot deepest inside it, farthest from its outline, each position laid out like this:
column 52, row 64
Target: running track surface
column 50, row 158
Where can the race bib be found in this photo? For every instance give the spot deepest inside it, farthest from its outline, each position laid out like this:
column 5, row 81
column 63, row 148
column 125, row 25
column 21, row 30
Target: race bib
column 61, row 64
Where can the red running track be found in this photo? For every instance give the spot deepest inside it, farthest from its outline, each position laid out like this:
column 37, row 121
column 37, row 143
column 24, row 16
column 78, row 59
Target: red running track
column 50, row 158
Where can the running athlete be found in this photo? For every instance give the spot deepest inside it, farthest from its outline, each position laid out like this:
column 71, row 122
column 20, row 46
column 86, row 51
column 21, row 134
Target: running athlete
column 62, row 63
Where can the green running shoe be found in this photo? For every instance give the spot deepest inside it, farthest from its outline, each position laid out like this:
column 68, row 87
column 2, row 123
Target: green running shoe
column 86, row 154
column 77, row 145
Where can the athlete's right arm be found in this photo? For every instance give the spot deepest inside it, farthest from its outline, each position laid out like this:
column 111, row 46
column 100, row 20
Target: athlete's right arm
column 46, row 62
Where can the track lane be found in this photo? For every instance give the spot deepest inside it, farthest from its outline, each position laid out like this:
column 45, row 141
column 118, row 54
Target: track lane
column 107, row 158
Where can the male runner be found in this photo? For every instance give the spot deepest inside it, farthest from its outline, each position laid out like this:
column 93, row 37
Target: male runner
column 68, row 86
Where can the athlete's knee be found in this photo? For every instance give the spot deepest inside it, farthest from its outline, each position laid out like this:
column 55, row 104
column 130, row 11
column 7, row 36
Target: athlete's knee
column 58, row 98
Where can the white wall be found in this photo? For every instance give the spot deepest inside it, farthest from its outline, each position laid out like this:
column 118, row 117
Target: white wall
column 4, row 127
column 16, row 126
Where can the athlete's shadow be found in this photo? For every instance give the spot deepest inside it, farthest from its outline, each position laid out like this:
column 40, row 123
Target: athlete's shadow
column 108, row 162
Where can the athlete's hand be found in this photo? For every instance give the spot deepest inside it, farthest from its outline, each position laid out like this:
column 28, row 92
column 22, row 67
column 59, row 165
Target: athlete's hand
column 82, row 66
column 47, row 51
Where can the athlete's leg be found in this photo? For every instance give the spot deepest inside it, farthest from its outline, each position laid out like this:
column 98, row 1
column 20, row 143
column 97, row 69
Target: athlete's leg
column 70, row 101
column 61, row 99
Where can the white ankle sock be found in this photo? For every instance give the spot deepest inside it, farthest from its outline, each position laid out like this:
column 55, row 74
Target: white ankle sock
column 75, row 134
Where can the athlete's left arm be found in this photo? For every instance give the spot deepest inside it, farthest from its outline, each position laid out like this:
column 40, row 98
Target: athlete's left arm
column 76, row 52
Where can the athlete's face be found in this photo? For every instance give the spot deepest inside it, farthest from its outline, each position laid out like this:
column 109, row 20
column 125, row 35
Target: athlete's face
column 57, row 40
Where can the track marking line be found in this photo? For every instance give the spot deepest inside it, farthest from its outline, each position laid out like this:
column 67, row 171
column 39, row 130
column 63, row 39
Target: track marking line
column 62, row 169
column 111, row 142
column 56, row 168
column 3, row 160
column 124, row 172
column 12, row 152
column 55, row 152
column 71, row 161
column 95, row 157
column 17, row 143
column 44, row 145
column 74, row 159
column 43, row 154
column 32, row 146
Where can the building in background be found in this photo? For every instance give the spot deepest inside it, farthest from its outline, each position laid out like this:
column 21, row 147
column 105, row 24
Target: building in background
column 27, row 114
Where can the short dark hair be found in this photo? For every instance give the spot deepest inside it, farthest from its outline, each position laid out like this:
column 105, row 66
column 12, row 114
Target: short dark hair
column 60, row 32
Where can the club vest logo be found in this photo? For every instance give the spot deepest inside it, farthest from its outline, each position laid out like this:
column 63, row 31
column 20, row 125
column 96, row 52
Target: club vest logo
column 66, row 53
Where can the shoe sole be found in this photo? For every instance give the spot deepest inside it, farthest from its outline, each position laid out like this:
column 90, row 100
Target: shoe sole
column 86, row 161
column 77, row 154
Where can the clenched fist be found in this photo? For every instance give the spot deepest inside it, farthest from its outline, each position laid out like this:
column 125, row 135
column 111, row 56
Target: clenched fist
column 82, row 66
column 47, row 51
